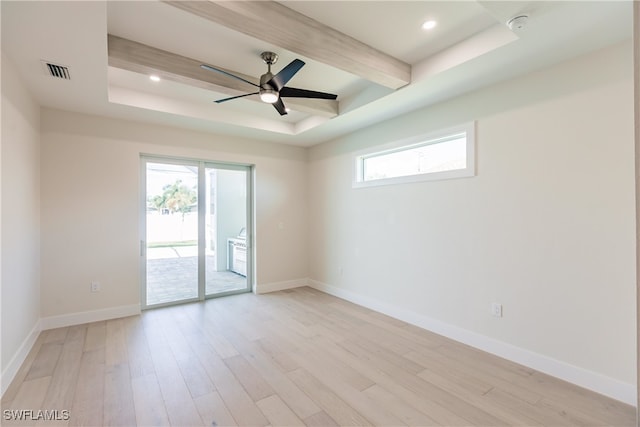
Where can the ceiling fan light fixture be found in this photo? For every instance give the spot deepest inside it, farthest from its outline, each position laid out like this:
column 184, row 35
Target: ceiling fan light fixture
column 269, row 96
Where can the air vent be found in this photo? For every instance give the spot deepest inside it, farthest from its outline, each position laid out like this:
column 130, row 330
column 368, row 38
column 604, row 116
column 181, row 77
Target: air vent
column 58, row 71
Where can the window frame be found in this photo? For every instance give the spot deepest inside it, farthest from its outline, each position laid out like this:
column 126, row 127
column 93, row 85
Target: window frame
column 440, row 136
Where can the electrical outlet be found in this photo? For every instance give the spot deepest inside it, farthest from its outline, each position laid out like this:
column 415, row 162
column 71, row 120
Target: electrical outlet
column 496, row 309
column 95, row 287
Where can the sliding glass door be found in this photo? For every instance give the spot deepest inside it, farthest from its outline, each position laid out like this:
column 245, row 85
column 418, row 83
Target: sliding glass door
column 226, row 230
column 171, row 214
column 196, row 222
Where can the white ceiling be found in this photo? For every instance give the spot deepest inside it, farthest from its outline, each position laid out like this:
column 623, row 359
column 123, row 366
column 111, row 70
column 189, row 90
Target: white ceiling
column 471, row 47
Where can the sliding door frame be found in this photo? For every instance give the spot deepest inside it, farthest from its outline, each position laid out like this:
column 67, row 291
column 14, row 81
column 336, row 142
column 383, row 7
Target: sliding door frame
column 202, row 165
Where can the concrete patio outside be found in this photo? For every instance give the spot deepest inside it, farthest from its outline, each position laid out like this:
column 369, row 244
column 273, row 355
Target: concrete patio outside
column 172, row 275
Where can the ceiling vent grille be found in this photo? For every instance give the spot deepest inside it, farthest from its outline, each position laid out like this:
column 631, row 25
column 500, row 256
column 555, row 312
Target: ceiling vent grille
column 58, row 71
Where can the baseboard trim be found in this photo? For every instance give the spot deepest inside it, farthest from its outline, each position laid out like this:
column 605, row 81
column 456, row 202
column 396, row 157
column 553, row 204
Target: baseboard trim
column 79, row 318
column 19, row 357
column 280, row 286
column 594, row 381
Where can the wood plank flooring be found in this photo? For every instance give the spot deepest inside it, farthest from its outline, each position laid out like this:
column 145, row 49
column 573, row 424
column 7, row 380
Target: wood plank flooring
column 297, row 357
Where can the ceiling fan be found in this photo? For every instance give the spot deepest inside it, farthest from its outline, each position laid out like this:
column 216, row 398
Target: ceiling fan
column 272, row 88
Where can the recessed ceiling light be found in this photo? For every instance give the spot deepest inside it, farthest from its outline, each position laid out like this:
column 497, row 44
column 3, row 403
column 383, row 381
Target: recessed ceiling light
column 154, row 78
column 428, row 25
column 287, row 109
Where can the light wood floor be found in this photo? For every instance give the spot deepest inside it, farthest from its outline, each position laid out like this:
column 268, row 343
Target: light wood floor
column 296, row 357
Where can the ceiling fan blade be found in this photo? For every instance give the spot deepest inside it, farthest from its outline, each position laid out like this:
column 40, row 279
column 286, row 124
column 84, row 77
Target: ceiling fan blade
column 279, row 80
column 279, row 106
column 217, row 70
column 292, row 92
column 234, row 97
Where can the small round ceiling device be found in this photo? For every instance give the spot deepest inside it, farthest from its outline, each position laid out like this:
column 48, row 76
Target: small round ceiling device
column 517, row 22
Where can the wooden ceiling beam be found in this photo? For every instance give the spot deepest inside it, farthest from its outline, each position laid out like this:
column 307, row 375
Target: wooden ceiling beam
column 277, row 24
column 140, row 58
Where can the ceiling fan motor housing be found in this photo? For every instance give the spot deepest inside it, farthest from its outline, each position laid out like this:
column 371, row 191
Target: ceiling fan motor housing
column 265, row 78
column 267, row 93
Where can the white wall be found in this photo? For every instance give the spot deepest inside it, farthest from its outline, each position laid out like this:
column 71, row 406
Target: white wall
column 20, row 221
column 546, row 227
column 90, row 206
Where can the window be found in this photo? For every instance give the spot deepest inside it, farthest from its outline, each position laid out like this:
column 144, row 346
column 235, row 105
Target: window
column 442, row 155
